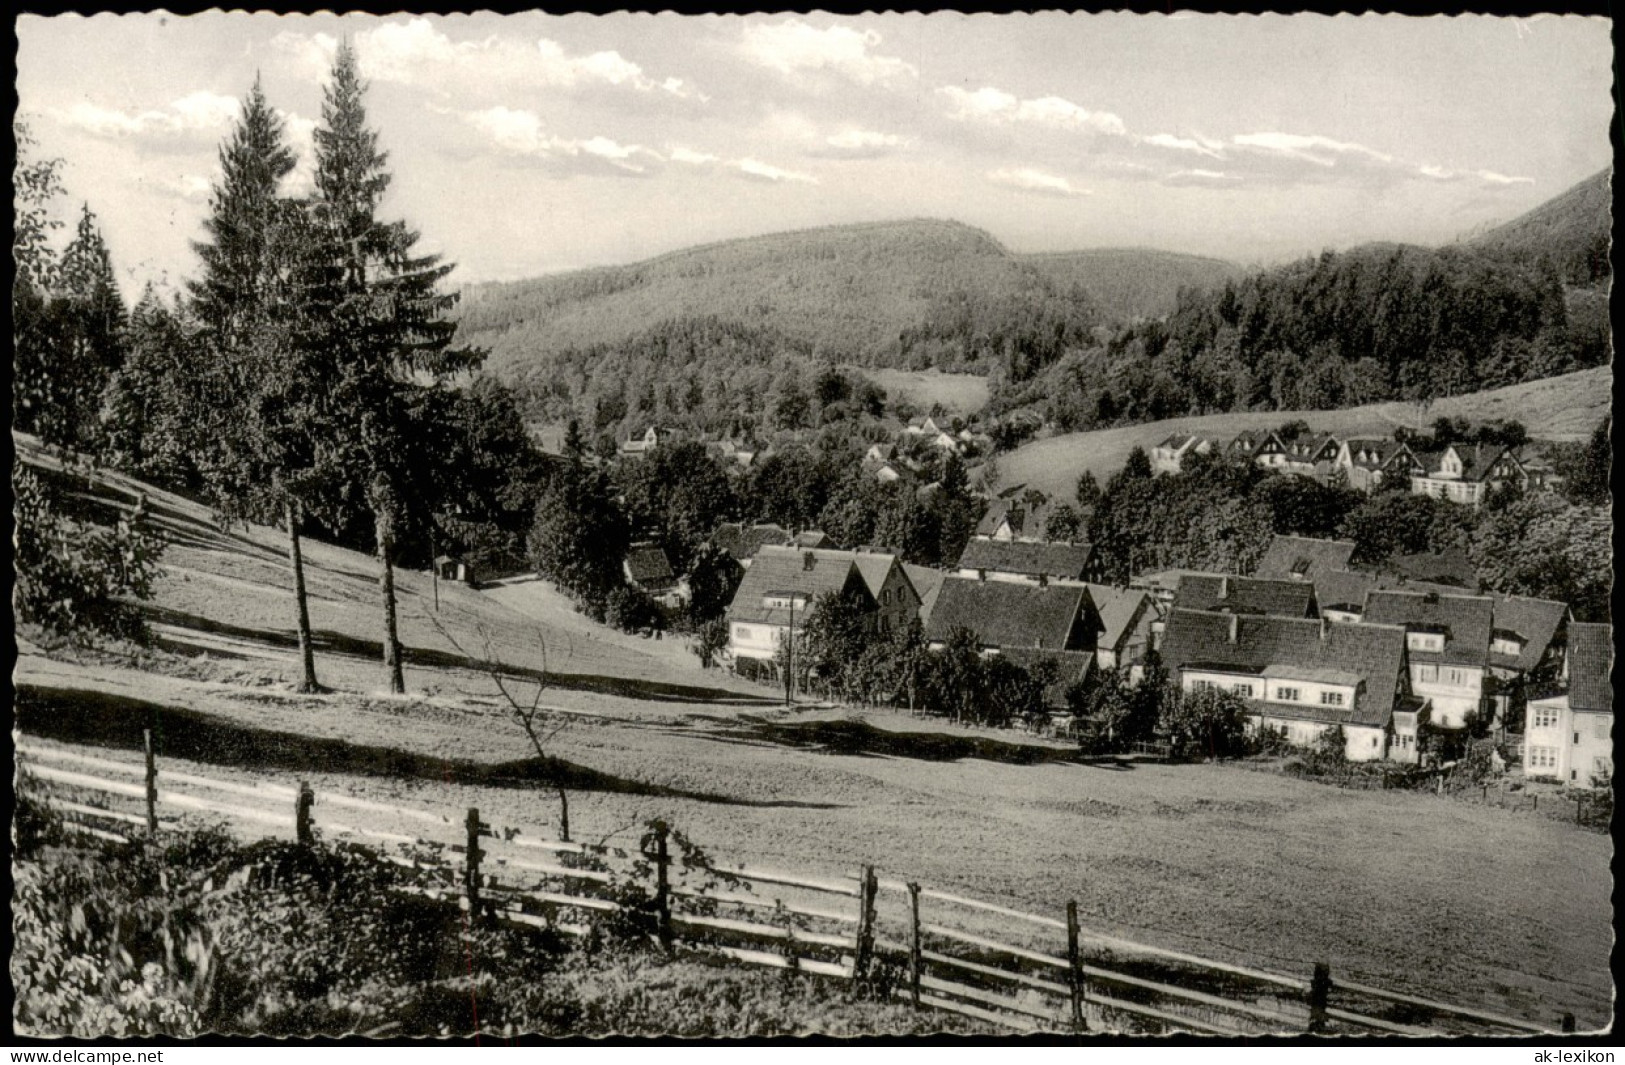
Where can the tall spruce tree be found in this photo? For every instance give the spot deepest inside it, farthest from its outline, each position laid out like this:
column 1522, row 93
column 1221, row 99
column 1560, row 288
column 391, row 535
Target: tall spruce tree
column 250, row 301
column 380, row 307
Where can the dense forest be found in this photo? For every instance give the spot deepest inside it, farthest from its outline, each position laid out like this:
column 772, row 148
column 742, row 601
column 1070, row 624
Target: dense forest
column 1344, row 329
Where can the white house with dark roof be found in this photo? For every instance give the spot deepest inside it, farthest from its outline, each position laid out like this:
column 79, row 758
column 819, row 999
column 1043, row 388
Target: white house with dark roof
column 1569, row 737
column 1126, row 617
column 1303, row 676
column 1303, row 558
column 1006, row 615
column 784, row 583
column 1447, row 640
column 1466, row 473
column 1370, row 462
column 1027, row 562
column 1168, row 456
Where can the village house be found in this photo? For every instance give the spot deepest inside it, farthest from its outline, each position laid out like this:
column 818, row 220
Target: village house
column 1163, row 585
column 1466, row 473
column 1071, row 668
column 652, row 438
column 1024, row 519
column 1028, row 562
column 453, row 568
column 1311, row 455
column 1450, row 571
column 1006, row 615
column 1569, row 737
column 1302, row 676
column 1370, row 462
column 784, row 583
column 647, row 568
column 1340, row 595
column 1261, row 447
column 1169, row 455
column 1447, row 641
column 742, row 542
column 1125, row 618
column 1223, row 593
column 1303, row 558
column 1526, row 650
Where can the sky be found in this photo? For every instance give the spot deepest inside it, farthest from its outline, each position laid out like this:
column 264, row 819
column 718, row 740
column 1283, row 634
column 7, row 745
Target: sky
column 530, row 144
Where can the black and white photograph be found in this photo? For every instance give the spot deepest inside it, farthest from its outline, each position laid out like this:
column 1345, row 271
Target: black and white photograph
column 554, row 527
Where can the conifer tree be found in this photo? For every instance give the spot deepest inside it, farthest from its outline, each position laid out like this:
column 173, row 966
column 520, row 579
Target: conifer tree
column 379, row 306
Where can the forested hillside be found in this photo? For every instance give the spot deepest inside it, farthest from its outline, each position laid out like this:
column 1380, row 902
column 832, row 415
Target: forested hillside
column 1376, row 323
column 909, row 295
column 1572, row 230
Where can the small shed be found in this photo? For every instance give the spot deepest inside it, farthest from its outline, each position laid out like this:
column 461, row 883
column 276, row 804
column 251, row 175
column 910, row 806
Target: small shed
column 452, row 568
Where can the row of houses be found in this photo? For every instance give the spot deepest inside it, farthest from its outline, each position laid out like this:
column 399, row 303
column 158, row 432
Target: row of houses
column 1461, row 473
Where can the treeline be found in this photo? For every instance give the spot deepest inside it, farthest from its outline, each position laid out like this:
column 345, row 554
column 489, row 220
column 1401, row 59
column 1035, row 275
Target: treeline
column 1340, row 330
column 1220, row 516
column 302, row 376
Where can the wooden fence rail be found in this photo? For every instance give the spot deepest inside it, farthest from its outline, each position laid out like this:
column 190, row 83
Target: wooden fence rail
column 991, row 985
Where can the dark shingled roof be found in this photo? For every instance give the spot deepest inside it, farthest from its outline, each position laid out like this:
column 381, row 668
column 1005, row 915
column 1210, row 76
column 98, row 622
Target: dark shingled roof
column 784, row 571
column 648, row 564
column 1118, row 609
column 1450, row 567
column 1377, row 452
column 1533, row 621
column 1075, row 667
column 1069, row 561
column 1343, row 589
column 1026, row 521
column 1302, row 558
column 1006, row 614
column 1465, row 620
column 1256, row 645
column 743, row 541
column 927, row 583
column 1244, row 595
column 1591, row 660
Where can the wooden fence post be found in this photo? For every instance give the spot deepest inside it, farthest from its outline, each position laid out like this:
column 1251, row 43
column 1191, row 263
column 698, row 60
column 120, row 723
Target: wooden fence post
column 1536, row 807
column 152, row 784
column 864, row 948
column 1320, row 989
column 301, row 815
column 662, row 889
column 1568, row 1023
column 471, row 867
column 914, row 956
column 1074, row 963
column 1579, row 804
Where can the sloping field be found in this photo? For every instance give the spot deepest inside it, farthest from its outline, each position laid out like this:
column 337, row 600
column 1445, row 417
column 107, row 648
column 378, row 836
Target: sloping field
column 1557, row 408
column 959, row 393
column 1461, row 902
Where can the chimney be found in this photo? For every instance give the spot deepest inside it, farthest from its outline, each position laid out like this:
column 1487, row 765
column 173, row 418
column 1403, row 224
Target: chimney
column 1325, row 627
column 1235, row 627
column 1224, row 587
column 808, row 560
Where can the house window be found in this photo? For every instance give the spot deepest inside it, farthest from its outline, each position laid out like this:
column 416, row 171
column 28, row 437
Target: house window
column 1243, row 690
column 1202, row 686
column 1286, row 695
column 1427, row 674
column 1545, row 718
column 1457, row 678
column 1424, row 641
column 1542, row 758
column 741, row 632
column 1602, row 727
column 1576, row 737
column 1331, row 699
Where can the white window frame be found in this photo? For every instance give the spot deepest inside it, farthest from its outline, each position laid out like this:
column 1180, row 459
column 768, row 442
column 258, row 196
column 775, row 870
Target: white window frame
column 1286, row 694
column 1333, row 699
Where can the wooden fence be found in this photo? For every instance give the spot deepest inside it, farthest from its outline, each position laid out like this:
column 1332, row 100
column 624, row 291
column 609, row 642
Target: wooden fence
column 1024, row 971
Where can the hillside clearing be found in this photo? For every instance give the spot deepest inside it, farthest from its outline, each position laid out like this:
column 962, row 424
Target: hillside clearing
column 1465, row 903
column 958, row 393
column 1556, row 408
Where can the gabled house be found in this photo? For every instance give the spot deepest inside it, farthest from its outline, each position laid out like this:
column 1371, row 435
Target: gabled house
column 1223, row 593
column 1169, row 455
column 1526, row 649
column 1303, row 676
column 1569, row 737
column 1466, row 473
column 1310, row 455
column 1124, row 619
column 1302, row 558
column 652, row 438
column 1451, row 570
column 1028, row 562
column 453, row 568
column 1006, row 615
column 878, row 455
column 1008, row 519
column 1370, row 462
column 1071, row 667
column 647, row 567
column 1261, row 447
column 1447, row 641
column 783, row 585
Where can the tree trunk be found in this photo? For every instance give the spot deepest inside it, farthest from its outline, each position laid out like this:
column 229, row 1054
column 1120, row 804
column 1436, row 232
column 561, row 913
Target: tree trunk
column 386, row 585
column 564, row 816
column 307, row 655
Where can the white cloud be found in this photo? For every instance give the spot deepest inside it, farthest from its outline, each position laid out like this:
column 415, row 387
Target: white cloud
column 994, row 105
column 1184, row 144
column 1321, row 151
column 198, row 112
column 767, row 172
column 864, row 140
column 749, row 168
column 415, row 52
column 1029, row 180
column 795, row 47
column 520, row 133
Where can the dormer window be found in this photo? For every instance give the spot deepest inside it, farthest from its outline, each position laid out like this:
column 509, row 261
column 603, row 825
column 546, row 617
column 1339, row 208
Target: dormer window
column 1425, row 641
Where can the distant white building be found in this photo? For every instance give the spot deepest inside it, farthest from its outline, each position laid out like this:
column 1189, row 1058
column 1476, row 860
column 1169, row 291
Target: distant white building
column 1169, row 455
column 1569, row 737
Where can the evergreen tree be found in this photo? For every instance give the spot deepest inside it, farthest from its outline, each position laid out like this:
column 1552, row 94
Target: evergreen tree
column 377, row 306
column 248, row 301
